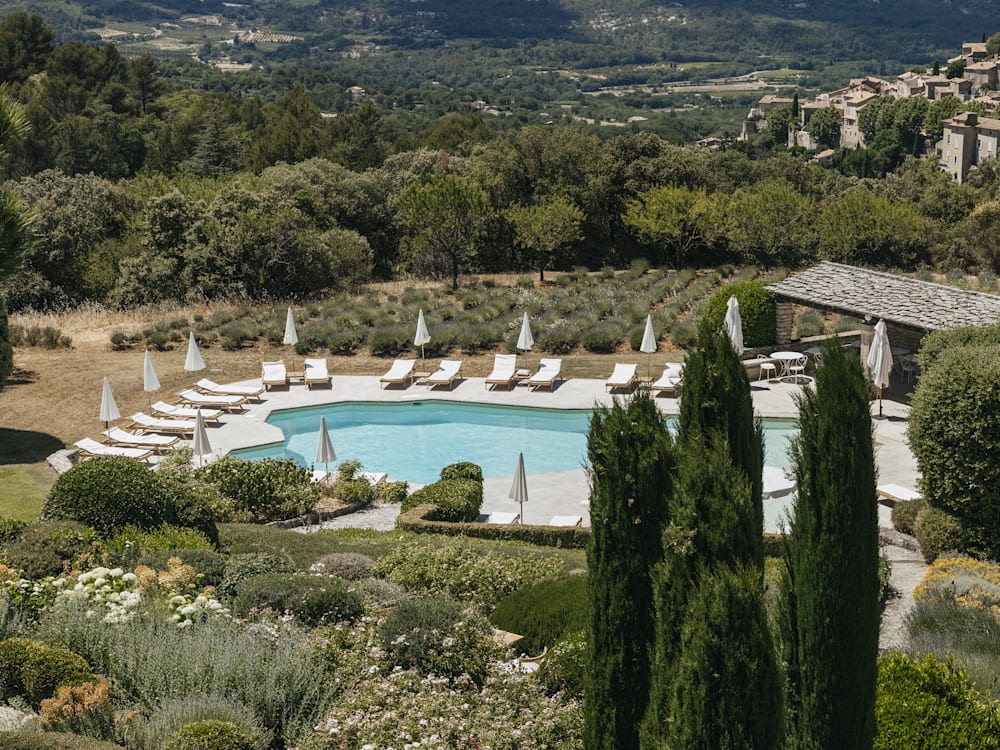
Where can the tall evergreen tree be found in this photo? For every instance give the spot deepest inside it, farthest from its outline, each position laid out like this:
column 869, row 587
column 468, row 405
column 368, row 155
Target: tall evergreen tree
column 831, row 592
column 631, row 455
column 727, row 693
column 716, row 397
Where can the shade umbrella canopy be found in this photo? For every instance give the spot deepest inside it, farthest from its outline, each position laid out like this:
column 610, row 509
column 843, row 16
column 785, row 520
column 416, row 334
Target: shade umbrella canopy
column 193, row 361
column 648, row 345
column 291, row 336
column 525, row 340
column 880, row 356
column 109, row 409
column 324, row 450
column 519, row 489
column 149, row 380
column 733, row 324
column 422, row 335
column 201, row 445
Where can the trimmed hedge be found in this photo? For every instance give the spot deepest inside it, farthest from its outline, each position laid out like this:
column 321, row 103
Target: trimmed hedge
column 108, row 493
column 544, row 612
column 34, row 670
column 242, row 567
column 937, row 532
column 52, row 741
column 213, row 735
column 757, row 311
column 462, row 470
column 313, row 600
column 420, row 520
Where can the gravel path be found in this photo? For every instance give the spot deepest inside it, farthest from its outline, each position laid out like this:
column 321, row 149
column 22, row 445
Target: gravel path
column 378, row 517
column 908, row 569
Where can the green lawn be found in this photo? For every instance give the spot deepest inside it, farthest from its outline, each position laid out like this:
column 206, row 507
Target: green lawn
column 22, row 490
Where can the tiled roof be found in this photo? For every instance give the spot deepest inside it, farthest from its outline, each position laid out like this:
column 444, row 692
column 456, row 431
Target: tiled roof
column 920, row 305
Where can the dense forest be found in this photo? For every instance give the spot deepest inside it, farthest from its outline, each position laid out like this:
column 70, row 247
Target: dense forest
column 142, row 188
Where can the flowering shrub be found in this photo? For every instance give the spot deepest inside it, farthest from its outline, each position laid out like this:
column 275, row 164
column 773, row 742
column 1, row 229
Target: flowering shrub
column 31, row 598
column 403, row 710
column 351, row 566
column 458, row 569
column 110, row 593
column 967, row 582
column 312, row 600
column 565, row 666
column 81, row 709
column 48, row 548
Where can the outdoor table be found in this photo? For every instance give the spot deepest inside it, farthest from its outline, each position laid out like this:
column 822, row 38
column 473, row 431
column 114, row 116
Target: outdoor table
column 296, row 375
column 786, row 359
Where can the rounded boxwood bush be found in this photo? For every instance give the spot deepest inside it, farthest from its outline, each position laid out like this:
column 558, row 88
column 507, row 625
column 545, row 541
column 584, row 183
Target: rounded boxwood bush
column 244, row 566
column 213, row 735
column 938, row 531
column 456, row 499
column 313, row 600
column 34, row 670
column 544, row 612
column 904, row 514
column 108, row 493
column 462, row 470
column 926, row 704
column 52, row 741
column 48, row 548
column 757, row 311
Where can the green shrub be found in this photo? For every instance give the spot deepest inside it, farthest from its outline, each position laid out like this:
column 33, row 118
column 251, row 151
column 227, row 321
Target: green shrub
column 684, row 333
column 388, row 342
column 937, row 531
column 937, row 343
column 391, row 492
column 569, row 537
column 926, row 704
column 757, row 311
column 343, row 342
column 48, row 548
column 27, row 740
column 244, row 566
column 33, row 670
column 170, row 715
column 562, row 337
column 904, row 514
column 564, row 669
column 351, row 489
column 313, row 600
column 6, row 345
column 809, row 323
column 437, row 636
column 108, row 493
column 454, row 499
column 952, row 429
column 213, row 734
column 263, row 491
column 462, row 470
column 604, row 337
column 544, row 612
column 126, row 546
column 351, row 566
column 210, row 564
column 10, row 529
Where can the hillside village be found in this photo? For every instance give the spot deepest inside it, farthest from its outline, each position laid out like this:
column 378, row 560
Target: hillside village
column 968, row 138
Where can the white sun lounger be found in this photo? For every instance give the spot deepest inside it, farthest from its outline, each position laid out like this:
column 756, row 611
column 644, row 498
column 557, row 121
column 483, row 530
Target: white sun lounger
column 504, row 367
column 316, row 373
column 673, row 374
column 210, row 386
column 500, row 517
column 548, row 373
column 896, row 493
column 159, row 424
column 401, row 373
column 191, row 396
column 446, row 373
column 158, row 443
column 89, row 447
column 622, row 377
column 273, row 373
column 185, row 412
column 566, row 521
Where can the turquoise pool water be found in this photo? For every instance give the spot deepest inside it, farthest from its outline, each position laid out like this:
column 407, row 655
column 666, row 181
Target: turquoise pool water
column 414, row 439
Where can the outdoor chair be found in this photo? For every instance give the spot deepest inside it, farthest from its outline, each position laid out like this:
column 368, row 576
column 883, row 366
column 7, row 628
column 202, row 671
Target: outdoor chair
column 194, row 398
column 673, row 374
column 548, row 373
column 213, row 388
column 90, row 448
column 162, row 408
column 316, row 373
column 401, row 373
column 504, row 367
column 622, row 377
column 566, row 521
column 159, row 424
column 158, row 443
column 273, row 374
column 446, row 374
column 797, row 367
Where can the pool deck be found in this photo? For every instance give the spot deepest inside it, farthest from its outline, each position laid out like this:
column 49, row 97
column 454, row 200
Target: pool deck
column 558, row 493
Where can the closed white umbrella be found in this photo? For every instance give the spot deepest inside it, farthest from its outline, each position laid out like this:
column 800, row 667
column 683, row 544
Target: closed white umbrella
column 109, row 409
column 193, row 361
column 519, row 490
column 880, row 360
column 422, row 336
column 524, row 339
column 150, row 382
column 324, row 449
column 733, row 324
column 648, row 345
column 201, row 446
column 291, row 337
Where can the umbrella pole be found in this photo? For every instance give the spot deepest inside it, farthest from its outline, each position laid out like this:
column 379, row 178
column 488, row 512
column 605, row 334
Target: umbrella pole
column 880, row 402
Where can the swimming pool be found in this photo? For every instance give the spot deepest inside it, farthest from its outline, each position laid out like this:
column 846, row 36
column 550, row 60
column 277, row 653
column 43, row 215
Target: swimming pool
column 414, row 439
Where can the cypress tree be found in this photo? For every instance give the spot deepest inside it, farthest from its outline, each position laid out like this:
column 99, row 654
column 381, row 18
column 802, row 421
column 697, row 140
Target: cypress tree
column 831, row 592
column 6, row 350
column 727, row 693
column 632, row 463
column 715, row 397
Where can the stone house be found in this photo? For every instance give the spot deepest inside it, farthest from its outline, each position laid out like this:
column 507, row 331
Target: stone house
column 967, row 140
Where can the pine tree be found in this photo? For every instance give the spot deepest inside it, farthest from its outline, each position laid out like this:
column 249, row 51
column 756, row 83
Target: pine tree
column 727, row 693
column 631, row 455
column 831, row 593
